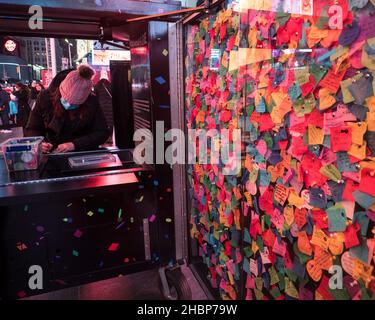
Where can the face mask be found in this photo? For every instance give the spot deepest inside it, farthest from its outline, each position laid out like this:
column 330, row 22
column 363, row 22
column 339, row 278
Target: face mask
column 67, row 105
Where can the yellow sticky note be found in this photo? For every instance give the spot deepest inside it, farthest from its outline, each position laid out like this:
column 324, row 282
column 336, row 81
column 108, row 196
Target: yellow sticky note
column 326, row 99
column 295, row 200
column 358, row 151
column 370, row 103
column 200, row 117
column 315, row 135
column 358, row 131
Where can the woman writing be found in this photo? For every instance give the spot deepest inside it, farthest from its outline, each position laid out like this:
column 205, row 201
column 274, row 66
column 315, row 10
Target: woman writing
column 69, row 115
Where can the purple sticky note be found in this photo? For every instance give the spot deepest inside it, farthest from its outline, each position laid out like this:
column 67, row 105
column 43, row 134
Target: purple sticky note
column 349, row 34
column 367, row 29
column 160, row 80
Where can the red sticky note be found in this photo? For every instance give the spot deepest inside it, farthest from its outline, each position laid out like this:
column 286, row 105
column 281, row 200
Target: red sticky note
column 367, row 181
column 332, row 80
column 320, row 219
column 341, row 138
column 323, row 288
column 300, row 217
column 113, row 247
column 351, row 238
column 350, row 187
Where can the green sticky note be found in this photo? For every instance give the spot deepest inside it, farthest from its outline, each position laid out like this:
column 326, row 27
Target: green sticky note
column 331, row 172
column 273, row 276
column 339, row 294
column 248, row 252
column 258, row 294
column 260, row 243
column 291, row 274
column 259, row 283
column 275, row 292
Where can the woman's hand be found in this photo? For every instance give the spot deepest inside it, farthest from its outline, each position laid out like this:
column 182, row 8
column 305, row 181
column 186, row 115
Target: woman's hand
column 46, row 147
column 65, row 147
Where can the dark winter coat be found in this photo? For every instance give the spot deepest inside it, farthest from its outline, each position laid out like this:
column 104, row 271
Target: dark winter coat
column 86, row 130
column 23, row 107
column 4, row 101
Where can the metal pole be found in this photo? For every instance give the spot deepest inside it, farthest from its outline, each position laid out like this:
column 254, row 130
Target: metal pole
column 70, row 56
column 53, row 57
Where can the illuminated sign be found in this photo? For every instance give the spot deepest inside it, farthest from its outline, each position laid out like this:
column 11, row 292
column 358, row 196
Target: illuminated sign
column 103, row 57
column 10, row 45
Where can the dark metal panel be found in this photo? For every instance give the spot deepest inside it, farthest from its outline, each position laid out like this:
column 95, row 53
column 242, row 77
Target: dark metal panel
column 123, row 6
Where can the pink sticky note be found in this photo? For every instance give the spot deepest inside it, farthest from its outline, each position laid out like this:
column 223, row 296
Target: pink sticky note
column 78, row 233
column 113, row 247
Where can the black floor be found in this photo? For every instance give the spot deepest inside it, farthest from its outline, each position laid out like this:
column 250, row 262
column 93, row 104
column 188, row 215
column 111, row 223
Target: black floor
column 138, row 286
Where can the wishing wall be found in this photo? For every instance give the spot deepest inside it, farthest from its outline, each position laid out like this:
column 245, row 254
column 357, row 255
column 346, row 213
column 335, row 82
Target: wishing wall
column 298, row 221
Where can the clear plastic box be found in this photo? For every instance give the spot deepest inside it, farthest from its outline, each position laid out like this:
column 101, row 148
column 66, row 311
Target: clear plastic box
column 21, row 154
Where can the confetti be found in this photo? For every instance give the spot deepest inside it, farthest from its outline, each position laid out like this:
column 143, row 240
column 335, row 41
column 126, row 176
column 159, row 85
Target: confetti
column 90, row 213
column 152, row 218
column 75, row 253
column 113, row 247
column 21, row 246
column 77, row 234
column 160, row 80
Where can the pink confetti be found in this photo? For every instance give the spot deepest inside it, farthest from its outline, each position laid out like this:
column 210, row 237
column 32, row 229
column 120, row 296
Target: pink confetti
column 21, row 294
column 113, row 247
column 78, row 233
column 152, row 218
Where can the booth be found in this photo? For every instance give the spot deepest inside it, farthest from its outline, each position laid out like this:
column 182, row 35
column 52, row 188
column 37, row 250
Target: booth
column 84, row 217
column 285, row 212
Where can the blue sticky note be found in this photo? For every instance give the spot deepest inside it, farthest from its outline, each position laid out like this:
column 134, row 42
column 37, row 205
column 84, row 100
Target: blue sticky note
column 343, row 163
column 318, row 198
column 326, row 55
column 264, row 178
column 361, row 251
column 266, row 280
column 337, row 189
column 160, row 80
column 246, row 266
column 294, row 91
column 261, row 107
column 336, row 218
column 362, row 218
column 247, row 237
column 363, row 199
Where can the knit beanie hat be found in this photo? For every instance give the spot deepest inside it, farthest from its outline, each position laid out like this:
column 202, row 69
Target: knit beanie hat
column 77, row 86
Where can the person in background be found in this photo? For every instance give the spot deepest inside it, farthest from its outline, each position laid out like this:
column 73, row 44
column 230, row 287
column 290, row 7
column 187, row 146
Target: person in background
column 35, row 89
column 13, row 108
column 68, row 115
column 22, row 95
column 4, row 107
column 103, row 91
